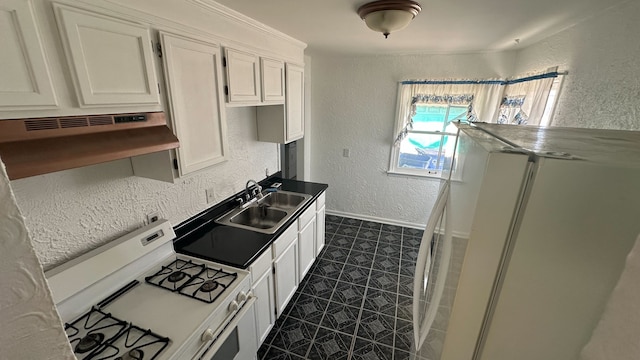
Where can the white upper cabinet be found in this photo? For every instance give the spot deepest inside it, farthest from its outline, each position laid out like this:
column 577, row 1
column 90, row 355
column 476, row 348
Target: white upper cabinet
column 193, row 78
column 243, row 77
column 284, row 124
column 25, row 82
column 194, row 88
column 111, row 60
column 295, row 102
column 272, row 79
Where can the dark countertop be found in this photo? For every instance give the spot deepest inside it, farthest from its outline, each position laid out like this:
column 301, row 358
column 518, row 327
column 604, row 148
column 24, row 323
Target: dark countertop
column 200, row 236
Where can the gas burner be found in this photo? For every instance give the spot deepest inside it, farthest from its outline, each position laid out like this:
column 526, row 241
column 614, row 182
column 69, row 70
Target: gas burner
column 176, row 276
column 209, row 286
column 134, row 354
column 89, row 342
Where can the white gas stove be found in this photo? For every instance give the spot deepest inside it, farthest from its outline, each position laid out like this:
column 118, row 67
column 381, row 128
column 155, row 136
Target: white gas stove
column 135, row 298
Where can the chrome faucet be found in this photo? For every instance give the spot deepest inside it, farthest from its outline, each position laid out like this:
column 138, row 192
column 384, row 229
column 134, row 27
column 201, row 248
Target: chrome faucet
column 257, row 187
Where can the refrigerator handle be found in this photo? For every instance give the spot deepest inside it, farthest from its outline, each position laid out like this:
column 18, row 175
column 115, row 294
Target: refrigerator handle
column 424, row 260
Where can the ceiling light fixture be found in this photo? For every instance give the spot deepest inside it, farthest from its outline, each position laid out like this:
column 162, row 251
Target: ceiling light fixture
column 386, row 16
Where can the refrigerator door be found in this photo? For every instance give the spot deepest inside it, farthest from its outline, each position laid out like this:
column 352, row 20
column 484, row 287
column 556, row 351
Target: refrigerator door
column 463, row 245
column 485, row 188
column 431, row 269
column 580, row 222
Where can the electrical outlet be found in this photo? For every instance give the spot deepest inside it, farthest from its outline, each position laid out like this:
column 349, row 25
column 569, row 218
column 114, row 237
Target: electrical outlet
column 346, row 152
column 153, row 217
column 211, row 196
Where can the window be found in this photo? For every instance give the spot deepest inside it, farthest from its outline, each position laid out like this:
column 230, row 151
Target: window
column 425, row 134
column 429, row 144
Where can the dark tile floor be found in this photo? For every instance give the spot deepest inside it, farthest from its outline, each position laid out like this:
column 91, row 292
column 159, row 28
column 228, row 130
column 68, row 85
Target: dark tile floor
column 355, row 301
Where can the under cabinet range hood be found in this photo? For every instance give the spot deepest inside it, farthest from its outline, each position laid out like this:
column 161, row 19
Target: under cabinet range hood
column 38, row 146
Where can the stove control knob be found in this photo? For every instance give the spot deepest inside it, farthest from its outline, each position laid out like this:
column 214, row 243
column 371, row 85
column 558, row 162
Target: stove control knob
column 207, row 335
column 242, row 297
column 234, row 306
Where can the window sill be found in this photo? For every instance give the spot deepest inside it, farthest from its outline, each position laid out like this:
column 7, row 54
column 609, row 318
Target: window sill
column 435, row 176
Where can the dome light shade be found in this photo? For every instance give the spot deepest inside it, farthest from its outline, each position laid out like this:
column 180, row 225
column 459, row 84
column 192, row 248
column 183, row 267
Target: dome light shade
column 386, row 16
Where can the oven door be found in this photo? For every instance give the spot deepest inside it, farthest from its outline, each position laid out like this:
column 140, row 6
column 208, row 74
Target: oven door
column 238, row 341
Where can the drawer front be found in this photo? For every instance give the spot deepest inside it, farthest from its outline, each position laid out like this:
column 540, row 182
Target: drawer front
column 284, row 240
column 261, row 265
column 320, row 201
column 306, row 216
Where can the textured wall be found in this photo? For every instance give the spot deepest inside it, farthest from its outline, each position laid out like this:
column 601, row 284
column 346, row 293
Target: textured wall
column 601, row 54
column 31, row 328
column 353, row 106
column 71, row 212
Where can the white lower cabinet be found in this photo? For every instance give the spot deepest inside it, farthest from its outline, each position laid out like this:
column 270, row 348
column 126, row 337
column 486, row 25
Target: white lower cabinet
column 264, row 290
column 320, row 235
column 275, row 275
column 306, row 240
column 285, row 266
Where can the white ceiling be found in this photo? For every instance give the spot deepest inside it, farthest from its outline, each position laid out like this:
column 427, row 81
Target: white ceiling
column 443, row 26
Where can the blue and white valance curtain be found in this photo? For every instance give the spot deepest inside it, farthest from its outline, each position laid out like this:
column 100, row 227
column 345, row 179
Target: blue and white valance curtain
column 479, row 97
column 525, row 98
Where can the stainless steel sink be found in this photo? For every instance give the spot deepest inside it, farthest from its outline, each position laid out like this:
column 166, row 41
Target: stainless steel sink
column 267, row 214
column 283, row 200
column 261, row 217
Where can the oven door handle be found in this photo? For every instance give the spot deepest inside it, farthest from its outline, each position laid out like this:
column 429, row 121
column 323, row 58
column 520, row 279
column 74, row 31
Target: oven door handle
column 227, row 329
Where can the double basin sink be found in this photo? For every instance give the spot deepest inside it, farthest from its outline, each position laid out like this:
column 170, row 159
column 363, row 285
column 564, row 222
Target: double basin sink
column 268, row 213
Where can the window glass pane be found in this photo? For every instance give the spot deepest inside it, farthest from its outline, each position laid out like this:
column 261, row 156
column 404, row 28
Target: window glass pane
column 420, row 151
column 429, row 117
column 446, row 154
column 455, row 113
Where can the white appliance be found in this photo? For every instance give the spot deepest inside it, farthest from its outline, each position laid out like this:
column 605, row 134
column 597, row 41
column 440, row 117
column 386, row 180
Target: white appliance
column 135, row 298
column 527, row 239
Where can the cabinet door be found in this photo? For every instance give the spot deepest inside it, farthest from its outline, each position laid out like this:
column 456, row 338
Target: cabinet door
column 286, row 276
column 243, row 76
column 295, row 103
column 196, row 105
column 320, row 240
column 272, row 76
column 25, row 82
column 265, row 306
column 306, row 247
column 111, row 60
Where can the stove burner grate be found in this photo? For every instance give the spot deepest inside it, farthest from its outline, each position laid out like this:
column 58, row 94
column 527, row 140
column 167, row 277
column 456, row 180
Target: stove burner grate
column 90, row 333
column 99, row 335
column 193, row 280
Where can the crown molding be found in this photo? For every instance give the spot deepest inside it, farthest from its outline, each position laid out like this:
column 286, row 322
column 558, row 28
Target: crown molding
column 231, row 14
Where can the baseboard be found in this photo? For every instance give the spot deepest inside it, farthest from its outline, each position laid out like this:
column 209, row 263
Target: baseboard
column 377, row 219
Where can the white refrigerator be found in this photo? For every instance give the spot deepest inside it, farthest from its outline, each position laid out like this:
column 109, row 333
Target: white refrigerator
column 526, row 241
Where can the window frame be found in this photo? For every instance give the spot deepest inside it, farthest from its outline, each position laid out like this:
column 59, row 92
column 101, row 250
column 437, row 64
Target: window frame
column 394, row 160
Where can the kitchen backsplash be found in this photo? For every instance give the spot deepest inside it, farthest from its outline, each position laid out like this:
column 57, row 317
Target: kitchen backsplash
column 71, row 212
